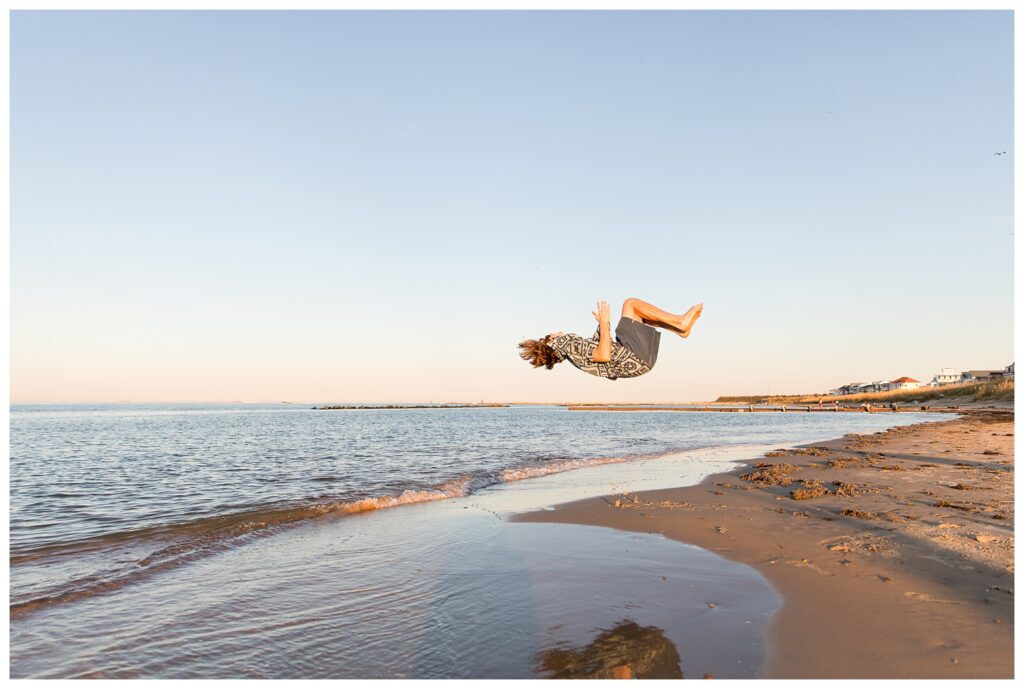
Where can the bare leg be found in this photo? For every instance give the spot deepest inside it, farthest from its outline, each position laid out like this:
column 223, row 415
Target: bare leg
column 680, row 324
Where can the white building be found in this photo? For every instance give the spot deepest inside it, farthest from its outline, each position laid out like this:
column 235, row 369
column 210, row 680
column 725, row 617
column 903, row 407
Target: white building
column 904, row 383
column 945, row 376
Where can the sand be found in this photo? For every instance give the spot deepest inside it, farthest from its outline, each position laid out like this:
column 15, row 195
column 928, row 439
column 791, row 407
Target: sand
column 893, row 552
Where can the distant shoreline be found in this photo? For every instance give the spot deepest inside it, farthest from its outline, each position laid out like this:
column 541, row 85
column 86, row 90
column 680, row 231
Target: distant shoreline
column 794, row 409
column 410, row 406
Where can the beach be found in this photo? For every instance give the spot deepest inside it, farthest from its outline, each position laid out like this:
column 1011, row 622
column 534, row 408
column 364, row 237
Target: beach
column 323, row 363
column 895, row 561
column 269, row 541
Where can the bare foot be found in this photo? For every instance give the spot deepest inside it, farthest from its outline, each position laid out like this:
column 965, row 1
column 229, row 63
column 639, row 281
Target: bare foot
column 685, row 323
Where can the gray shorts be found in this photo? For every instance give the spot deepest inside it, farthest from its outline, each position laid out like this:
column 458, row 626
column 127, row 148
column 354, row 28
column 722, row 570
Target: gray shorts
column 639, row 338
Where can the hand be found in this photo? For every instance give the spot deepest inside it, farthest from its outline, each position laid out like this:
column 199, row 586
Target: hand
column 602, row 314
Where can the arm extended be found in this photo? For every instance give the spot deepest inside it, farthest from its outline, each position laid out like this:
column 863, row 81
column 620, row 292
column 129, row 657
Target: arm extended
column 603, row 354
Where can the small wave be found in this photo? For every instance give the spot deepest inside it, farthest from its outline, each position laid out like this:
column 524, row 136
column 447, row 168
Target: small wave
column 190, row 541
column 558, row 466
column 561, row 466
column 452, row 489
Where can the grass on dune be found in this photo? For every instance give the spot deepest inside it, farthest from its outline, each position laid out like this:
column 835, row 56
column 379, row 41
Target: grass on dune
column 1001, row 390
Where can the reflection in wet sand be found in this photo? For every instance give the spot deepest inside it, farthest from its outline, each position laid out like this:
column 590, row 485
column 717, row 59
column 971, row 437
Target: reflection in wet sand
column 623, row 652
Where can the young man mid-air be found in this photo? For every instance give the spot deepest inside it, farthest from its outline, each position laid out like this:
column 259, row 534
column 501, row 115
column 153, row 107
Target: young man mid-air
column 633, row 351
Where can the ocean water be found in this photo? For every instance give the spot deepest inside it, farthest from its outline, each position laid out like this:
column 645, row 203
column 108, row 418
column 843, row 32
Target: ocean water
column 166, row 540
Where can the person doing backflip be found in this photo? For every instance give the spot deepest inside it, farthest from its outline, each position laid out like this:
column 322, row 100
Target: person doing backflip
column 632, row 353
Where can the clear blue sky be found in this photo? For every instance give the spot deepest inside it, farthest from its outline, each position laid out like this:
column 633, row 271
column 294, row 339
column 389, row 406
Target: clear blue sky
column 343, row 206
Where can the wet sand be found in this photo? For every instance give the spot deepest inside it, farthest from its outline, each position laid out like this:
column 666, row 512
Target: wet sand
column 893, row 552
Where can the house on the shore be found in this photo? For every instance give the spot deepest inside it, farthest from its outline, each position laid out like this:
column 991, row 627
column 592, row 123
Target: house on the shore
column 945, row 376
column 904, row 383
column 868, row 388
column 981, row 376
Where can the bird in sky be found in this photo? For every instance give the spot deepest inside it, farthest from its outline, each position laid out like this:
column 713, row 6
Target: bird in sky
column 1001, row 153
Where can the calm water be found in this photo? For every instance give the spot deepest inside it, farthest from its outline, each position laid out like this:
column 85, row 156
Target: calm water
column 166, row 540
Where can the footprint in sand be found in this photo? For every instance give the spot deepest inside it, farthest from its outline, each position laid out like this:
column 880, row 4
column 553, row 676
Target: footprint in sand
column 925, row 598
column 810, row 565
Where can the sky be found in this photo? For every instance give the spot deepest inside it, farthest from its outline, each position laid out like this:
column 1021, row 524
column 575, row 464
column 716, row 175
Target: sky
column 357, row 206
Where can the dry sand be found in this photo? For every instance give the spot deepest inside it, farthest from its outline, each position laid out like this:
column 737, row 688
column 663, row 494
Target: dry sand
column 895, row 561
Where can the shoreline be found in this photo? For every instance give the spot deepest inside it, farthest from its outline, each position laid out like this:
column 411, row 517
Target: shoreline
column 797, row 409
column 140, row 551
column 899, row 563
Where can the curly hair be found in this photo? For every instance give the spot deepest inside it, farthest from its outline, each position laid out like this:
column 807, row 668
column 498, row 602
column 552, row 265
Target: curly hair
column 540, row 353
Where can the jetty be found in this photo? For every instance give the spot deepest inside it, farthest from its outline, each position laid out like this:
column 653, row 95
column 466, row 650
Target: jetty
column 410, row 406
